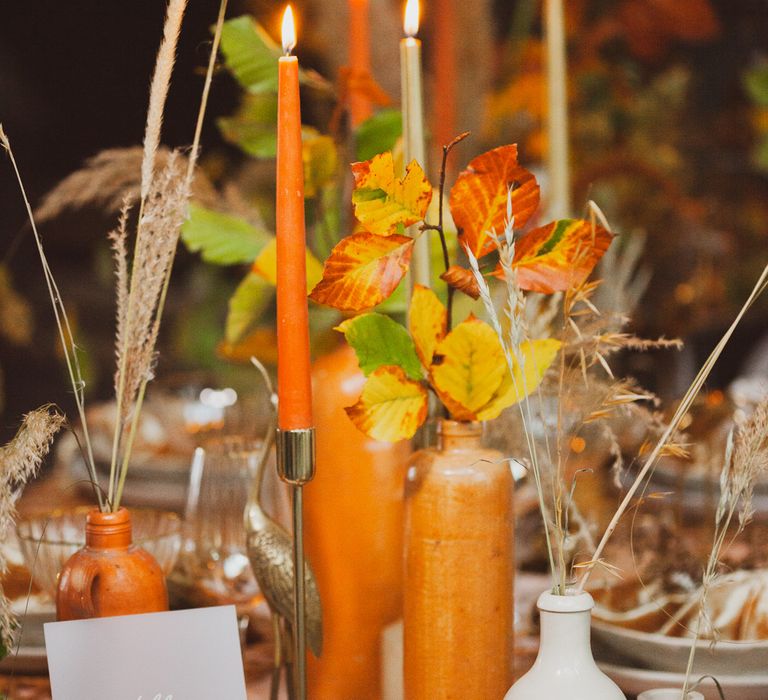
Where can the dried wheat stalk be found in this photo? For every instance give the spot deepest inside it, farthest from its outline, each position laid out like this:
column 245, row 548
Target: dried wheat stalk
column 20, row 460
column 746, row 459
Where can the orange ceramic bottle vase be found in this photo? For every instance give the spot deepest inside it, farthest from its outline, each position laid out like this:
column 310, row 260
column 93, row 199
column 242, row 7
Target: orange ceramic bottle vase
column 353, row 511
column 110, row 575
column 459, row 568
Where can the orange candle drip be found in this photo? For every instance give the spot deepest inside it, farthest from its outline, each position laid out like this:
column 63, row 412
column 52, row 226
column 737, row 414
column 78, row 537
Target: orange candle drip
column 293, row 367
column 359, row 60
column 446, row 73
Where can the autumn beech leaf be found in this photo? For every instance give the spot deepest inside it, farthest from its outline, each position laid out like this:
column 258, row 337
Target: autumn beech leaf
column 462, row 279
column 559, row 256
column 391, row 407
column 532, row 360
column 384, row 204
column 427, row 321
column 363, row 270
column 378, row 340
column 479, row 198
column 468, row 368
column 266, row 265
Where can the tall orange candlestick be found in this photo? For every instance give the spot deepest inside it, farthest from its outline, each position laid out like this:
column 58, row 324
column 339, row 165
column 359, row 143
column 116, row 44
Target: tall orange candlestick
column 359, row 60
column 445, row 73
column 293, row 367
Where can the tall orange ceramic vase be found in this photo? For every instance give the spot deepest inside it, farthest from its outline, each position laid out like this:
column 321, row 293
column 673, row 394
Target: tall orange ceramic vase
column 110, row 575
column 459, row 568
column 353, row 513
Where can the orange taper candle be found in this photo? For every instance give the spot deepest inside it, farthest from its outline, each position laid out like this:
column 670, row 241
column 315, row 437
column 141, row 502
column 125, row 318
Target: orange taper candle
column 359, row 60
column 293, row 369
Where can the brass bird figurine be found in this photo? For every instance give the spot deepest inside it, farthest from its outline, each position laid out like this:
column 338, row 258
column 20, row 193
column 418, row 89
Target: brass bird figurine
column 270, row 551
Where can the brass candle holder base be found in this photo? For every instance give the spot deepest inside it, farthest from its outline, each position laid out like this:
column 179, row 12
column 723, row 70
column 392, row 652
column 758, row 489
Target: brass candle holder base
column 296, row 466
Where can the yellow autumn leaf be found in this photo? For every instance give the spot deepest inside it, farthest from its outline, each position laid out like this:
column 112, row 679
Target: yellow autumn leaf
column 534, row 359
column 468, row 368
column 427, row 322
column 391, row 407
column 266, row 265
column 385, row 204
column 320, row 161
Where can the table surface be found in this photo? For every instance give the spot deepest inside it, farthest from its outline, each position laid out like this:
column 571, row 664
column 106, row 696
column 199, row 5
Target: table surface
column 56, row 490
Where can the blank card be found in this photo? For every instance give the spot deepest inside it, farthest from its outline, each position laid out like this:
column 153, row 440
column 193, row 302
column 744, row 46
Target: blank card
column 180, row 655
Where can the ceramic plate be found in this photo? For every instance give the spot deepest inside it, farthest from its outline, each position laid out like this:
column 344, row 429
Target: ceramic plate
column 657, row 651
column 634, row 681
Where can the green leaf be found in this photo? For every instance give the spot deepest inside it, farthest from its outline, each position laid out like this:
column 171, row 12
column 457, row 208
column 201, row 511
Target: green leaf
column 378, row 133
column 327, row 220
column 253, row 127
column 222, row 239
column 246, row 306
column 378, row 340
column 251, row 55
column 756, row 84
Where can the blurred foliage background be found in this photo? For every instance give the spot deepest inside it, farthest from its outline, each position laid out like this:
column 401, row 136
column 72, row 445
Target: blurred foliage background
column 669, row 135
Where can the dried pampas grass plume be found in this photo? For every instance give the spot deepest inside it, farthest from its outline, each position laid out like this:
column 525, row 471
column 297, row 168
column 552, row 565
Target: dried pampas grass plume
column 158, row 92
column 109, row 179
column 20, row 460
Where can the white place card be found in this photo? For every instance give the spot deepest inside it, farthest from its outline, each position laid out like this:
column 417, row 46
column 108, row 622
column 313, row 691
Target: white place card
column 179, row 655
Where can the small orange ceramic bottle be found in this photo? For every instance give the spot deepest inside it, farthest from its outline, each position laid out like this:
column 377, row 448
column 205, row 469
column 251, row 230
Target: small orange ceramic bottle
column 110, row 575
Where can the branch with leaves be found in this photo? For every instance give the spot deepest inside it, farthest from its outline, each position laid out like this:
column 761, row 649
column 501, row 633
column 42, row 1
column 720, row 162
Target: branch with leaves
column 463, row 366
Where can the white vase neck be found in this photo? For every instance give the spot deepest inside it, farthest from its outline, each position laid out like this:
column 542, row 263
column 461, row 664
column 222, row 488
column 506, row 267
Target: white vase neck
column 565, row 628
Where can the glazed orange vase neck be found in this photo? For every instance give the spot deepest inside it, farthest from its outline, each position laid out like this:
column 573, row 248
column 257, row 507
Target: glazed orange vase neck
column 459, row 436
column 110, row 575
column 108, row 530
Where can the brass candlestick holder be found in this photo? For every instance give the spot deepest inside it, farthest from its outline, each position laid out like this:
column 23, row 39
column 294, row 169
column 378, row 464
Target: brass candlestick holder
column 275, row 555
column 296, row 466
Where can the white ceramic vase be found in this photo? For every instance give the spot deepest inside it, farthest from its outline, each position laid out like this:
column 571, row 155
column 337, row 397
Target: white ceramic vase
column 564, row 667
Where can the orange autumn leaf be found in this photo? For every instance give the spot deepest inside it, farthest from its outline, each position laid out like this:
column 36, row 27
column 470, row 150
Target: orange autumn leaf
column 468, row 368
column 479, row 198
column 391, row 407
column 558, row 256
column 427, row 321
column 261, row 343
column 363, row 84
column 385, row 204
column 650, row 26
column 462, row 279
column 362, row 270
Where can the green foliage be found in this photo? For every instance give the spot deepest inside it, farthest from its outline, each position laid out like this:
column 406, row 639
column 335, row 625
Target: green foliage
column 378, row 340
column 253, row 127
column 222, row 239
column 378, row 134
column 251, row 55
column 756, row 84
column 246, row 306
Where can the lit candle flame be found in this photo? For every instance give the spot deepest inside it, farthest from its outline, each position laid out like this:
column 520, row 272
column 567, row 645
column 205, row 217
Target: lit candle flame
column 411, row 23
column 289, row 31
